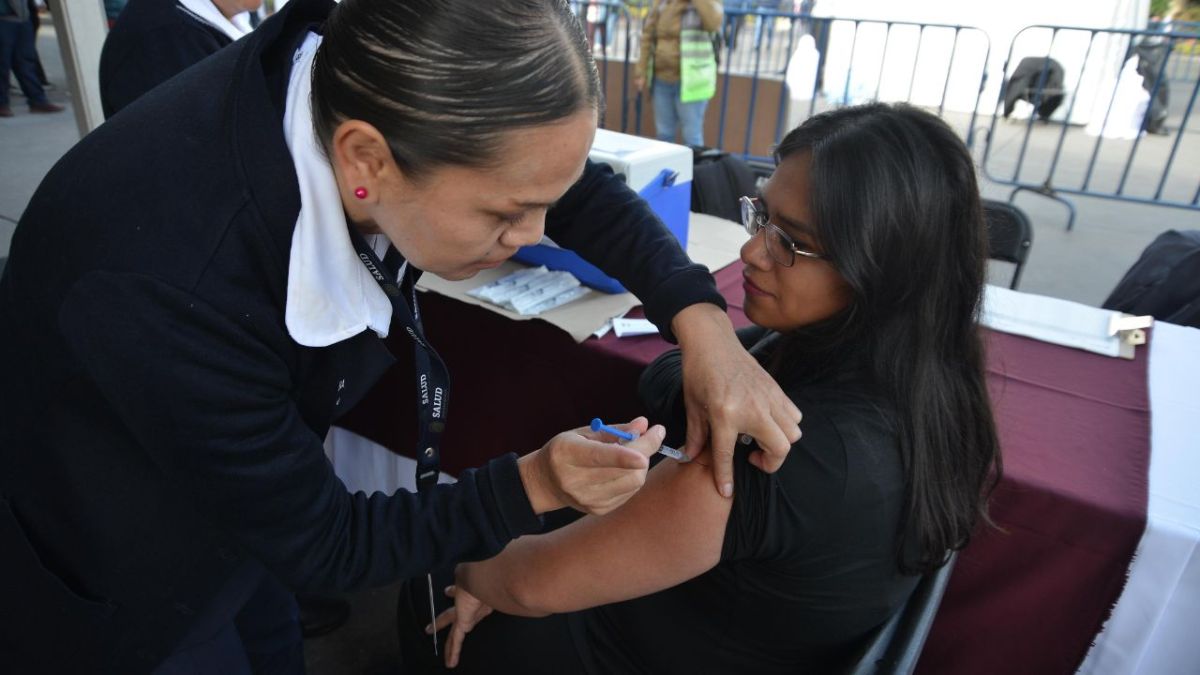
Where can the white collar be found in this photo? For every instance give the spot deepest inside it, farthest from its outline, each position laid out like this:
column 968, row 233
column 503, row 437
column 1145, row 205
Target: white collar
column 331, row 296
column 206, row 11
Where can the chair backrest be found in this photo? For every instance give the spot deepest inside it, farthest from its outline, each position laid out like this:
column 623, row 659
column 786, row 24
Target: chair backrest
column 896, row 645
column 1010, row 235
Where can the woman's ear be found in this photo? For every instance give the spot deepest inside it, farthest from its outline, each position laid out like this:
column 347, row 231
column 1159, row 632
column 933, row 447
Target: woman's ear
column 361, row 159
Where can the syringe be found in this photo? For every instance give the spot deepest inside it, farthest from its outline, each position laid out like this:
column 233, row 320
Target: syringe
column 674, row 454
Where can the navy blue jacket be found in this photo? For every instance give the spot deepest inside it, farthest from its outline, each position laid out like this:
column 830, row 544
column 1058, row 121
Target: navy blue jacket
column 159, row 424
column 151, row 42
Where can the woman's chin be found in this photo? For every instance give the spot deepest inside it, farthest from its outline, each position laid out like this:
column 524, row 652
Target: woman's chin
column 753, row 311
column 765, row 319
column 459, row 274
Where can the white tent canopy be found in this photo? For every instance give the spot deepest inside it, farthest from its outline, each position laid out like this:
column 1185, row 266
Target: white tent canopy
column 998, row 24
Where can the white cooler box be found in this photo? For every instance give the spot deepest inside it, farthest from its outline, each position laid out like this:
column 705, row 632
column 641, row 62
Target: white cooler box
column 660, row 172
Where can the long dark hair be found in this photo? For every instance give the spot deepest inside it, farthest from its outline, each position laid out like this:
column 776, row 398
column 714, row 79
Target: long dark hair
column 443, row 80
column 897, row 210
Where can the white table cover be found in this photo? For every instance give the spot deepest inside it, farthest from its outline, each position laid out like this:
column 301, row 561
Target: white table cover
column 1155, row 626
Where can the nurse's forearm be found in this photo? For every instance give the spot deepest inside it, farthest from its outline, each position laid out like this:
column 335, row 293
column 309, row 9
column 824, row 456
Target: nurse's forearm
column 698, row 322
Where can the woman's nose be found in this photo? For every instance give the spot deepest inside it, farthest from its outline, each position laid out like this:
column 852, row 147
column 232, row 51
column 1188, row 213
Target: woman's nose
column 526, row 233
column 754, row 252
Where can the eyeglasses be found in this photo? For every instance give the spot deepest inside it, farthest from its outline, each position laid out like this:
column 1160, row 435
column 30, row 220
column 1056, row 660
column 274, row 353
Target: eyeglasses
column 781, row 247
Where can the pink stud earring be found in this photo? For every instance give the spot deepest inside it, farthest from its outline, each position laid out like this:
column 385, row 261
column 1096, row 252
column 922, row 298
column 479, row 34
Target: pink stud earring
column 360, row 192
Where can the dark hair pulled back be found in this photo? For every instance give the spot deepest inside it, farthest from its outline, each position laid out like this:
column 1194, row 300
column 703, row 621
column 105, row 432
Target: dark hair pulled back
column 896, row 204
column 443, row 80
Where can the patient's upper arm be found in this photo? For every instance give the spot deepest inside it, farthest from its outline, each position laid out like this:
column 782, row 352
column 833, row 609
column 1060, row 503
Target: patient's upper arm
column 670, row 531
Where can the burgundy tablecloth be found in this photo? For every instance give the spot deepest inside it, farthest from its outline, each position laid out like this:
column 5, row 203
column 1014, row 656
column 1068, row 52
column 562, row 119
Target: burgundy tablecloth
column 514, row 384
column 1075, row 434
column 1074, row 428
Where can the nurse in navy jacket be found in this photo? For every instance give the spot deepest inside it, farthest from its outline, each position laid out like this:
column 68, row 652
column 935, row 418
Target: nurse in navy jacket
column 199, row 287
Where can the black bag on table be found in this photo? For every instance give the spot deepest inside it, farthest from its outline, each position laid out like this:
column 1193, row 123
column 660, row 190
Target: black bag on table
column 1164, row 282
column 719, row 180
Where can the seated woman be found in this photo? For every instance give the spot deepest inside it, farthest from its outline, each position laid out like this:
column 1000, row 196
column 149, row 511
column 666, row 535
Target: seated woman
column 863, row 279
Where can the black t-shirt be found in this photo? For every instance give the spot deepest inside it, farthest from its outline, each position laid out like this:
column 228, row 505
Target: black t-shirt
column 808, row 566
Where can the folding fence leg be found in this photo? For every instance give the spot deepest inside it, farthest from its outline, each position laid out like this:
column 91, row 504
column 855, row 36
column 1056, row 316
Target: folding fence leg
column 1049, row 193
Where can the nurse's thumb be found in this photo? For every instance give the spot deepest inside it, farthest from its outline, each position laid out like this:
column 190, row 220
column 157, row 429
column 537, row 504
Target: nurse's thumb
column 649, row 442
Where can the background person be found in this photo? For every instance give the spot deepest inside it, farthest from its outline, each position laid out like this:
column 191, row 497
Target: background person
column 112, row 10
column 678, row 63
column 185, row 310
column 863, row 278
column 154, row 40
column 36, row 19
column 18, row 55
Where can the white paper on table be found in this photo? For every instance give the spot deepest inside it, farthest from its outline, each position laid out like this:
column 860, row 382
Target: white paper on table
column 1052, row 320
column 579, row 318
column 633, row 327
column 712, row 242
column 365, row 466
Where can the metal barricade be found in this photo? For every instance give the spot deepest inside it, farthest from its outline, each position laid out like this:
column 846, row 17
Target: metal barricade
column 613, row 30
column 1092, row 95
column 941, row 67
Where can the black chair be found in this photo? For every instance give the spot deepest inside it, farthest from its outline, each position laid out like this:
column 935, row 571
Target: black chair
column 1010, row 235
column 896, row 645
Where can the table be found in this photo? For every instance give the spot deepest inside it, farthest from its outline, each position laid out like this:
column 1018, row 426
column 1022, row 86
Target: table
column 513, row 384
column 1075, row 429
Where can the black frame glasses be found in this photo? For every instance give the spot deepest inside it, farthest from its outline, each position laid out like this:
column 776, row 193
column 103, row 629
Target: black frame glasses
column 780, row 246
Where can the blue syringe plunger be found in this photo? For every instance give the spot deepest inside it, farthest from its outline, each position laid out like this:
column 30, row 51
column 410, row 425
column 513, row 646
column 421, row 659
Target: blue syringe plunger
column 597, row 425
column 674, row 454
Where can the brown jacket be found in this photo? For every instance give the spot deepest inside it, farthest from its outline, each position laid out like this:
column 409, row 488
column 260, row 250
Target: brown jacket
column 660, row 34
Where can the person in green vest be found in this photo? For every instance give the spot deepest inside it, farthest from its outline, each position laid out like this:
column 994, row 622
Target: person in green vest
column 678, row 65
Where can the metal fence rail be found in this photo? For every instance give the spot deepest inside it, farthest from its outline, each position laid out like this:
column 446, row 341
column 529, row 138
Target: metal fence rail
column 1096, row 143
column 864, row 60
column 941, row 67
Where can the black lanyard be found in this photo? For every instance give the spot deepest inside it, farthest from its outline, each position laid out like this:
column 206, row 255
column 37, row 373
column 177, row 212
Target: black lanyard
column 433, row 379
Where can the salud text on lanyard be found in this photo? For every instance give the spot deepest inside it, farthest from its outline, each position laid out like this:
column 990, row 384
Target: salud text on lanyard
column 433, row 379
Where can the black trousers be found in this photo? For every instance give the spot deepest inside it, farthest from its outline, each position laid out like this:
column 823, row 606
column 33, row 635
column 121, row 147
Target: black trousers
column 18, row 55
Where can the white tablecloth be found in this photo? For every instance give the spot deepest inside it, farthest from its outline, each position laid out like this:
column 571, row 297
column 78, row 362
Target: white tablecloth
column 1155, row 627
column 365, row 466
